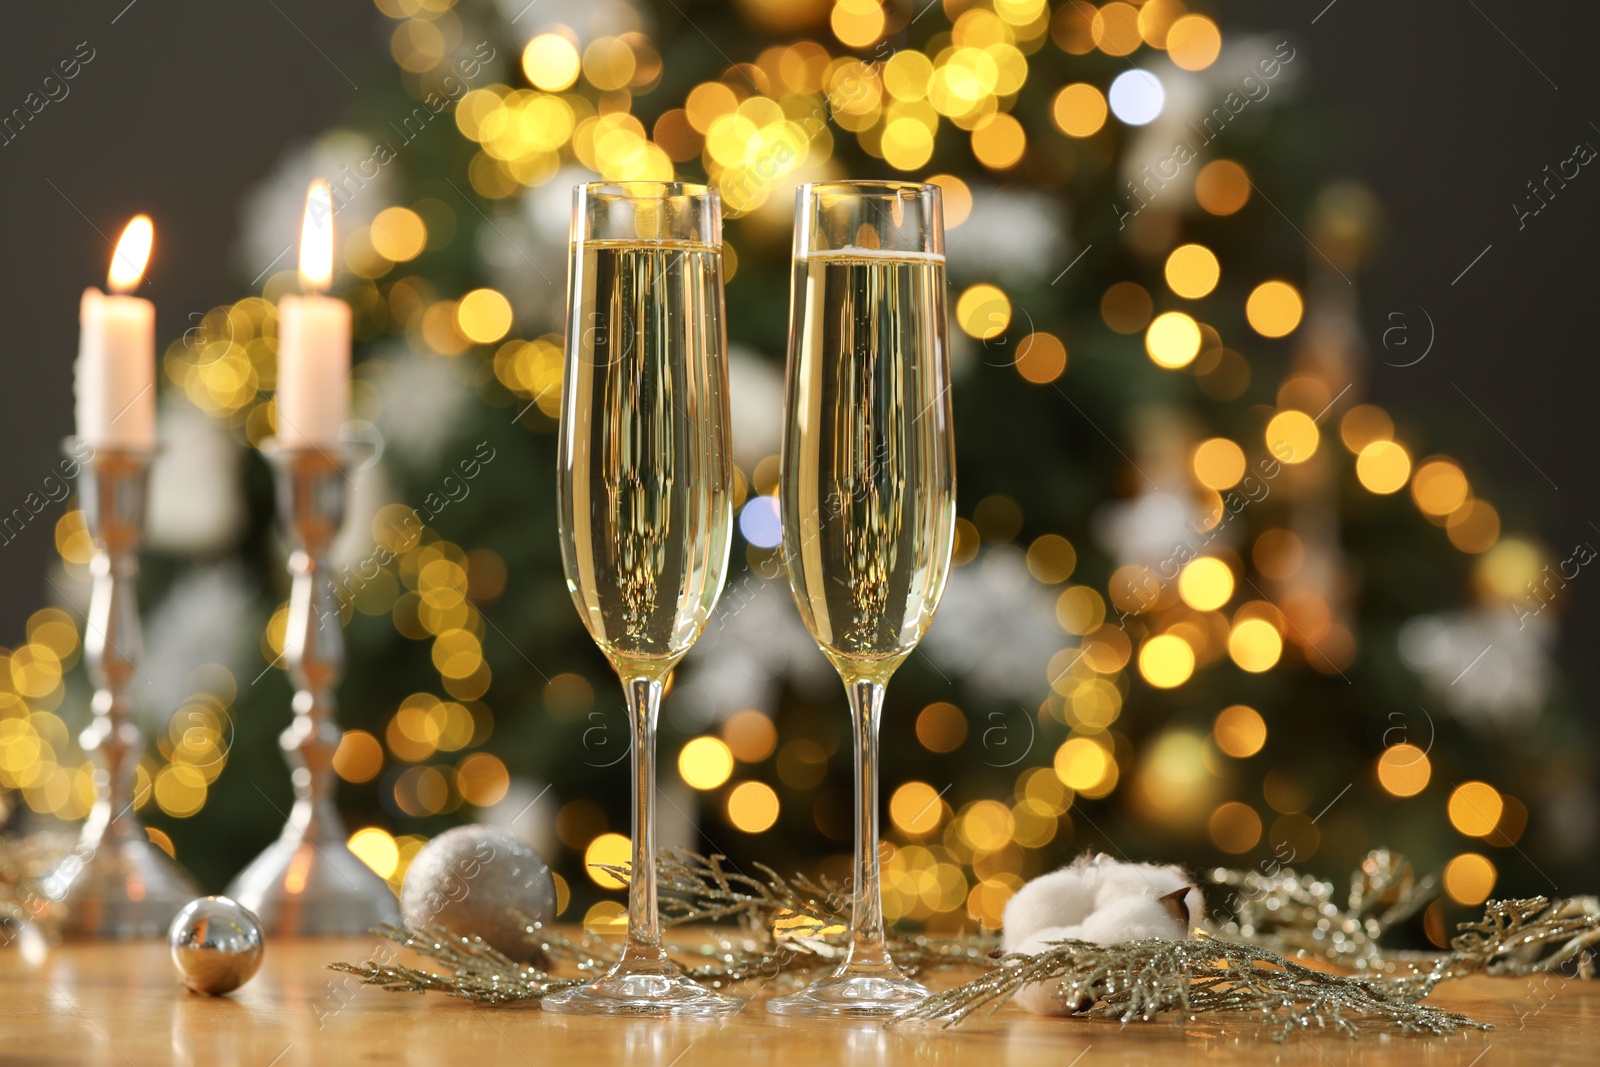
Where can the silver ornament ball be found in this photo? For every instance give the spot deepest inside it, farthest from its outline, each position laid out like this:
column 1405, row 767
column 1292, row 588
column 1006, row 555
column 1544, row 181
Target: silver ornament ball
column 476, row 881
column 216, row 945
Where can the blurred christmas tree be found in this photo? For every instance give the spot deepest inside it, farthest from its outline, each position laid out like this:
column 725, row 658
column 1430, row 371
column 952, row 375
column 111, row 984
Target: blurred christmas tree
column 1210, row 606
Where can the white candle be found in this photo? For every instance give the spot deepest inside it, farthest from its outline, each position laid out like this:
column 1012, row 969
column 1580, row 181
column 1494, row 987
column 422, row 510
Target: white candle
column 115, row 376
column 313, row 340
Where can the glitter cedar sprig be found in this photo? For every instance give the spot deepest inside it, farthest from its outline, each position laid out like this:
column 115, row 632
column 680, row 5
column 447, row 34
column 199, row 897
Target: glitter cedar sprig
column 479, row 972
column 1141, row 980
column 1298, row 914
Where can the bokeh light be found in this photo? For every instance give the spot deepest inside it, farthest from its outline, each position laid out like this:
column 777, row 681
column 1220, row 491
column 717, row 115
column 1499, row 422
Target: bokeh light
column 1192, row 271
column 1292, row 436
column 753, row 807
column 613, row 850
column 1173, row 339
column 1475, row 808
column 705, row 763
column 1235, row 827
column 1079, row 110
column 1255, row 645
column 1136, row 97
column 1193, row 42
column 1274, row 309
column 1383, row 467
column 1404, row 770
column 1222, row 187
column 1206, row 583
column 550, row 62
column 1240, row 731
column 1165, row 661
column 1469, row 878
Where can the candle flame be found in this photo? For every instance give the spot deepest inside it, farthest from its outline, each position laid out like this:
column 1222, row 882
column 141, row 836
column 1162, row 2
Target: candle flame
column 316, row 237
column 132, row 254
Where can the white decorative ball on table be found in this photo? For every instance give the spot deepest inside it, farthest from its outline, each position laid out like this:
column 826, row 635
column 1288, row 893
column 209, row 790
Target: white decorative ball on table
column 477, row 881
column 1102, row 900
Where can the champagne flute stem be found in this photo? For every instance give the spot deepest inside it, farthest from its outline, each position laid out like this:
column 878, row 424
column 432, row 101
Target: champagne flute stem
column 867, row 950
column 644, row 922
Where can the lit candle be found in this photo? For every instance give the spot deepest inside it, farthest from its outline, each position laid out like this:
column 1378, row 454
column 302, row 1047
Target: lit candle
column 313, row 340
column 115, row 376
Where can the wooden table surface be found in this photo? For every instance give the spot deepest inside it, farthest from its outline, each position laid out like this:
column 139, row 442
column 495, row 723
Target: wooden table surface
column 120, row 1004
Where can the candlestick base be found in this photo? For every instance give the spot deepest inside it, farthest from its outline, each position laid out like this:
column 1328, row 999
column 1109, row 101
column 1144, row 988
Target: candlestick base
column 125, row 889
column 303, row 888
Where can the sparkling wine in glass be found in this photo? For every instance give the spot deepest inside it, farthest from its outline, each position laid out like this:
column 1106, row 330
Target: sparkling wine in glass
column 646, row 483
column 867, row 494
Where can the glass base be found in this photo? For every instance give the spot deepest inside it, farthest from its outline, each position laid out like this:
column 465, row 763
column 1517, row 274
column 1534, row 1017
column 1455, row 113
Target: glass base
column 852, row 996
column 649, row 992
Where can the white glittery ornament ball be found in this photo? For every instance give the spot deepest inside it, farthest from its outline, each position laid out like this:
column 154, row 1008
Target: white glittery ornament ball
column 1102, row 900
column 475, row 881
column 216, row 945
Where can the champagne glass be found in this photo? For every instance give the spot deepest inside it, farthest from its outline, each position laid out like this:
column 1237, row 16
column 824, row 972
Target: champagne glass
column 645, row 511
column 867, row 494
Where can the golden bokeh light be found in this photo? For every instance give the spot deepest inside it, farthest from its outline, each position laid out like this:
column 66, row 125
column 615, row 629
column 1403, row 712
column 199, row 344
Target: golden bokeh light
column 376, row 848
column 1193, row 42
column 916, row 809
column 1474, row 527
column 1051, row 559
column 1218, row 463
column 1469, row 878
column 612, row 850
column 1173, row 340
column 483, row 316
column 1404, row 770
column 609, row 64
column 551, row 62
column 1239, row 731
column 1000, row 142
column 398, row 234
column 1235, row 827
column 753, row 807
column 1166, row 661
column 1439, row 487
column 1080, row 609
column 1079, row 110
column 983, row 311
column 1115, row 29
column 1206, row 583
column 941, row 727
column 1475, row 808
column 1222, row 187
column 1085, row 766
column 1192, row 271
column 857, row 23
column 1383, row 467
column 705, row 763
column 1041, row 358
column 1292, row 436
column 956, row 196
column 750, row 735
column 483, row 780
column 907, row 144
column 359, row 756
column 1255, row 645
column 1274, row 309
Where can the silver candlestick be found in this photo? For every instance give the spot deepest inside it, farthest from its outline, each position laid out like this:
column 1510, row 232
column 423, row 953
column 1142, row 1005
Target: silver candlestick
column 115, row 884
column 308, row 881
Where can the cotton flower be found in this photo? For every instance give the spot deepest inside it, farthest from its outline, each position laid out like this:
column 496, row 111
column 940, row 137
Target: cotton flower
column 1097, row 899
